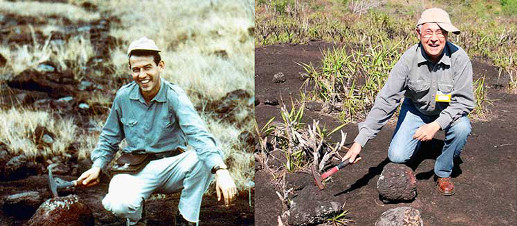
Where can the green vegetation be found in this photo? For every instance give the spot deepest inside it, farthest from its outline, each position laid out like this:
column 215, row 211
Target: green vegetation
column 297, row 142
column 339, row 219
column 370, row 36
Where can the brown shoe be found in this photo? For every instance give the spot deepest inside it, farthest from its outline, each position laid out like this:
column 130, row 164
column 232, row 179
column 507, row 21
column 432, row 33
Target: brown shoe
column 445, row 186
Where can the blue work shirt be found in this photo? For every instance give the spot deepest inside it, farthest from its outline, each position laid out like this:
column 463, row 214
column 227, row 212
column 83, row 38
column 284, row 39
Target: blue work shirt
column 168, row 122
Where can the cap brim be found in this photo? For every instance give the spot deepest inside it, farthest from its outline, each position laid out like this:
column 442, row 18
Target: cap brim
column 449, row 27
column 129, row 52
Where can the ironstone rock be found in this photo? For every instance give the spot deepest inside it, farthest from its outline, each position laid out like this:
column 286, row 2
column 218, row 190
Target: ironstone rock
column 397, row 183
column 314, row 105
column 400, row 216
column 279, row 78
column 19, row 167
column 22, row 205
column 3, row 61
column 69, row 210
column 311, row 207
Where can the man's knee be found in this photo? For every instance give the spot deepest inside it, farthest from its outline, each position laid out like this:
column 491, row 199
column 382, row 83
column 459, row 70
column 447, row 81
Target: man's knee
column 398, row 157
column 121, row 207
column 461, row 129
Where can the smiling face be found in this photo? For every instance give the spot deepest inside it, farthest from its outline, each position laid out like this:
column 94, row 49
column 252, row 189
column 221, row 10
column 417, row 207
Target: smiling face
column 433, row 39
column 146, row 74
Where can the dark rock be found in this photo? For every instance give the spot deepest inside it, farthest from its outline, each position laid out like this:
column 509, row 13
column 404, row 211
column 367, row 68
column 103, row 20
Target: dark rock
column 92, row 109
column 28, row 97
column 247, row 137
column 230, row 101
column 22, row 205
column 60, row 169
column 85, row 85
column 69, row 210
column 43, row 136
column 56, row 85
column 279, row 77
column 3, row 61
column 314, row 105
column 83, row 165
column 397, row 183
column 19, row 167
column 273, row 101
column 400, row 216
column 5, row 156
column 310, row 207
column 298, row 181
column 257, row 102
column 221, row 53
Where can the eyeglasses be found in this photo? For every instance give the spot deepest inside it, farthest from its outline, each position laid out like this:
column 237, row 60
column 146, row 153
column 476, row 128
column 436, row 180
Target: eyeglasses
column 439, row 33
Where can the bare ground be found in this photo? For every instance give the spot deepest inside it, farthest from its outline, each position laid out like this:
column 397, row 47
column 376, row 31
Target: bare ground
column 486, row 188
column 159, row 211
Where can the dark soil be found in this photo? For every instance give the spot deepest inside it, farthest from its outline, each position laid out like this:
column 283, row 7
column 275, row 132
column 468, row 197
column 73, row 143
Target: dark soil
column 159, row 211
column 486, row 187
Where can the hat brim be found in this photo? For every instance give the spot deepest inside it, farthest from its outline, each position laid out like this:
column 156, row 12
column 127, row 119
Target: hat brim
column 129, row 52
column 449, row 27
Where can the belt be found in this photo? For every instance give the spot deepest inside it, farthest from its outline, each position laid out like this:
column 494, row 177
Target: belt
column 166, row 154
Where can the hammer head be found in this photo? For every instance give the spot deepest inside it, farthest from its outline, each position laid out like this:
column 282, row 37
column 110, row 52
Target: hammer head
column 317, row 177
column 51, row 181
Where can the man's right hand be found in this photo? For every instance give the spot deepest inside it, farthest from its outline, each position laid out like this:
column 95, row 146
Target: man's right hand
column 89, row 177
column 353, row 153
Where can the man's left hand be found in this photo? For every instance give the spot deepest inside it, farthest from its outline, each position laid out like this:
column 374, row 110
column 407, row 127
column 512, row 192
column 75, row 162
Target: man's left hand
column 427, row 131
column 225, row 186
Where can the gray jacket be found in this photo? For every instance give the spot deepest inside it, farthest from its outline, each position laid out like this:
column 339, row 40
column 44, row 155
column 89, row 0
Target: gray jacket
column 415, row 77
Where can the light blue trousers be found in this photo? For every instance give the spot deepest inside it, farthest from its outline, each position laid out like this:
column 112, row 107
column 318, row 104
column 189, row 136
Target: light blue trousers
column 403, row 146
column 184, row 172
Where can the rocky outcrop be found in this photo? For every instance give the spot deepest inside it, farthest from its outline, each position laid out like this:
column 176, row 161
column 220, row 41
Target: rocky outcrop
column 19, row 167
column 397, row 183
column 22, row 205
column 69, row 210
column 406, row 216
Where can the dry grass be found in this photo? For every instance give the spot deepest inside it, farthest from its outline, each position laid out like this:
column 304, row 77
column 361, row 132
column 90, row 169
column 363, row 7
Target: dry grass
column 44, row 9
column 20, row 58
column 17, row 127
column 208, row 49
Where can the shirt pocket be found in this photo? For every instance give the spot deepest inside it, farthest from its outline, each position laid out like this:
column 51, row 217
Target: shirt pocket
column 419, row 86
column 167, row 122
column 130, row 126
column 418, row 90
column 445, row 88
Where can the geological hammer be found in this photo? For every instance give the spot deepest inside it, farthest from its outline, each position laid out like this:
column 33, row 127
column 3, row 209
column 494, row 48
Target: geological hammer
column 318, row 179
column 56, row 183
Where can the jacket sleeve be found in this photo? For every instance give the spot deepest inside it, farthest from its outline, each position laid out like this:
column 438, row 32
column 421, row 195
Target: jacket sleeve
column 462, row 97
column 385, row 104
column 195, row 130
column 110, row 137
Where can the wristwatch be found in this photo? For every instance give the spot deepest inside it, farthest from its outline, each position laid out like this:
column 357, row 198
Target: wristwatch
column 215, row 168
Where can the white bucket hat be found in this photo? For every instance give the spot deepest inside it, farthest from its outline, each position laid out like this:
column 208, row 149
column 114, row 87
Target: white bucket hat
column 440, row 17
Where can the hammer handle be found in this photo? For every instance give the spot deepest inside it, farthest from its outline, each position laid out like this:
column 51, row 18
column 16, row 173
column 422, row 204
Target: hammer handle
column 334, row 169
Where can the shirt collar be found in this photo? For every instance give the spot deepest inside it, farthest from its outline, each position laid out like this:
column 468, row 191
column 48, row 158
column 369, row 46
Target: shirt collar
column 446, row 57
column 160, row 96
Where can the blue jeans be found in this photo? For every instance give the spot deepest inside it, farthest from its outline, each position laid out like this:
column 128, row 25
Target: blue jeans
column 403, row 146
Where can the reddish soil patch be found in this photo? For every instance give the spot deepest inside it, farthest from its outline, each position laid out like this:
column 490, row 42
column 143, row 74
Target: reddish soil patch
column 485, row 184
column 158, row 212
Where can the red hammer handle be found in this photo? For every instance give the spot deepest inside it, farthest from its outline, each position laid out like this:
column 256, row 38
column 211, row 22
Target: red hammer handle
column 334, row 170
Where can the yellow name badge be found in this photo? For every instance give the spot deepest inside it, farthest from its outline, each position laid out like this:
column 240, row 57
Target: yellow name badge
column 442, row 97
